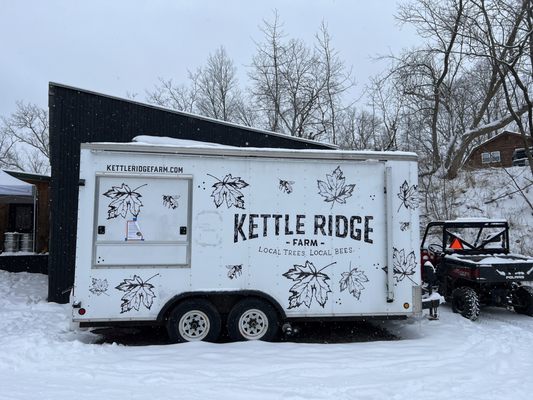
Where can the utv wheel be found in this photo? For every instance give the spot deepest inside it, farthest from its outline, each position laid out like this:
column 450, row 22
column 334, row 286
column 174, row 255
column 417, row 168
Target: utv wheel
column 465, row 301
column 524, row 297
column 194, row 320
column 253, row 319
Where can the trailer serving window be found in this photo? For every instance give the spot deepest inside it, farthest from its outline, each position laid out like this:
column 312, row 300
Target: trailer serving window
column 142, row 221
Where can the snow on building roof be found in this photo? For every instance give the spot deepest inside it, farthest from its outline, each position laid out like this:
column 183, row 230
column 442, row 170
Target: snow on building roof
column 485, row 142
column 11, row 186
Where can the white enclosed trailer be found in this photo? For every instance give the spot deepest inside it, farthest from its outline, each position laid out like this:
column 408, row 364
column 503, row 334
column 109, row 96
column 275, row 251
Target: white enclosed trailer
column 197, row 237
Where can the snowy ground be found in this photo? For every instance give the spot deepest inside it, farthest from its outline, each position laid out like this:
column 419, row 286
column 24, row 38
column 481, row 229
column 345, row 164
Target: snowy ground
column 448, row 359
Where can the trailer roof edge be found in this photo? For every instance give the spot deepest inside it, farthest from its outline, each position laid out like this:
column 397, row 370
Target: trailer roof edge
column 252, row 152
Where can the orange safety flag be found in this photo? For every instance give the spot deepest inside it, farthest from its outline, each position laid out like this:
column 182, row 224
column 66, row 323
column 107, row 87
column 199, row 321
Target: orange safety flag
column 456, row 244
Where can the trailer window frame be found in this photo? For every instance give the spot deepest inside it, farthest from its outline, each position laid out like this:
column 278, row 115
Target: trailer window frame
column 185, row 243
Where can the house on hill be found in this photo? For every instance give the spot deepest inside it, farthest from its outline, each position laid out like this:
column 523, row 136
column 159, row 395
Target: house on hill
column 496, row 151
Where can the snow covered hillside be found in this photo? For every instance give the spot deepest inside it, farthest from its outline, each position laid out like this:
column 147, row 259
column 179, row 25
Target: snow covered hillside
column 451, row 358
column 491, row 193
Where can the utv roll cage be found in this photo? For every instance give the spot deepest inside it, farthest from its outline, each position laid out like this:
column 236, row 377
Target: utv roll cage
column 454, row 242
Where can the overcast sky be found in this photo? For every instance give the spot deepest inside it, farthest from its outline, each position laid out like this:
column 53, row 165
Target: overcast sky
column 120, row 46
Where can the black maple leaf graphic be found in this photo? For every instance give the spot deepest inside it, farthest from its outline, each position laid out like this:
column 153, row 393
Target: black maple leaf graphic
column 335, row 189
column 137, row 293
column 408, row 195
column 124, row 200
column 403, row 266
column 310, row 283
column 285, row 186
column 404, row 226
column 352, row 280
column 228, row 190
column 234, row 271
column 171, row 201
column 99, row 286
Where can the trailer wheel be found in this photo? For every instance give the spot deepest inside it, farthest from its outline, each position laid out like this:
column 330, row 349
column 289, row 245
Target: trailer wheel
column 465, row 301
column 253, row 319
column 194, row 320
column 524, row 297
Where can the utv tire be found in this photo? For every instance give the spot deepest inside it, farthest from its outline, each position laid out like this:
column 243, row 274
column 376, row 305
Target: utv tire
column 524, row 296
column 465, row 301
column 253, row 319
column 194, row 320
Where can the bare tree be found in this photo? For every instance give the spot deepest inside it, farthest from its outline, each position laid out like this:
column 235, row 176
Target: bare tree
column 514, row 66
column 211, row 91
column 266, row 73
column 8, row 155
column 24, row 140
column 177, row 97
column 359, row 129
column 497, row 31
column 298, row 89
column 436, row 79
column 217, row 86
column 337, row 81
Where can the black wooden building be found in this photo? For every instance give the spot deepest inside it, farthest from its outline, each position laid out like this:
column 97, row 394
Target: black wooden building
column 80, row 116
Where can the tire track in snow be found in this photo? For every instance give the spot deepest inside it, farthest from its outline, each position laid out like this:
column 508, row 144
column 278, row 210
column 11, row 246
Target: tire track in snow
column 487, row 316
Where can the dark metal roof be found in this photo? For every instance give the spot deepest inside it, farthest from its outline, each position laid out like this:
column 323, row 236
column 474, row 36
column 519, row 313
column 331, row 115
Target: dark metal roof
column 28, row 176
column 251, row 130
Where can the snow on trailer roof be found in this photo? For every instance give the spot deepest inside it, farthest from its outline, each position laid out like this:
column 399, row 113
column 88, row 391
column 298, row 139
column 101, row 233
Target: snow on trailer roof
column 173, row 142
column 156, row 144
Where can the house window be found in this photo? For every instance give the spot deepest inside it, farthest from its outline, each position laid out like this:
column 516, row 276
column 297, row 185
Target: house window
column 492, row 157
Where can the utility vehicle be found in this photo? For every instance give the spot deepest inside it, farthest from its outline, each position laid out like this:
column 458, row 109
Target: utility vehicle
column 470, row 263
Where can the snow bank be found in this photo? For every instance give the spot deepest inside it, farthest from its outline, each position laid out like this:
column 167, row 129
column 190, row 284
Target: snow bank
column 451, row 358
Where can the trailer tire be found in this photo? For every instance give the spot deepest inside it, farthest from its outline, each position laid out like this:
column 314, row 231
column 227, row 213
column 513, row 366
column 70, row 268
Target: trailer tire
column 465, row 301
column 253, row 319
column 194, row 320
column 524, row 296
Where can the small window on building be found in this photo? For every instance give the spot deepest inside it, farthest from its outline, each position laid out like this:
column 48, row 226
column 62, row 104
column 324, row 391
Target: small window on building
column 492, row 157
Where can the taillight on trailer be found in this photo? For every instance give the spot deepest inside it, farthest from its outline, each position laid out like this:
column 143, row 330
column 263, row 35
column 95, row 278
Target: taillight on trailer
column 82, row 311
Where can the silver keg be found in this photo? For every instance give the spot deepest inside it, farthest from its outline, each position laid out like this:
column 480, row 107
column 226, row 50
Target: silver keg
column 26, row 242
column 11, row 242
